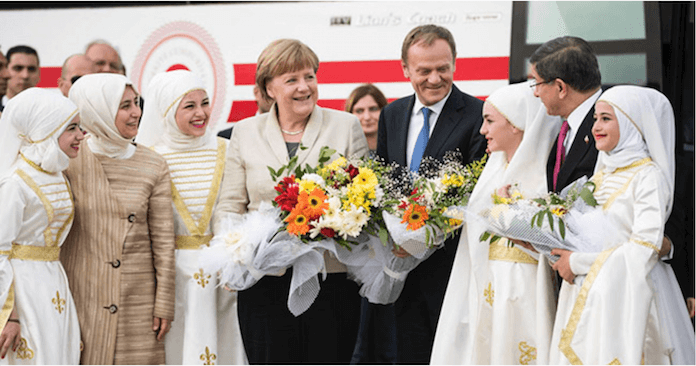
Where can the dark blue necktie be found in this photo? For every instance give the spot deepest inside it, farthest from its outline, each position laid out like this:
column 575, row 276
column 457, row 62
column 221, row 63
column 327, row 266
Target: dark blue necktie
column 422, row 141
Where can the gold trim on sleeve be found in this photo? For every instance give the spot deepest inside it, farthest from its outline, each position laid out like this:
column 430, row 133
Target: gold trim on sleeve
column 645, row 244
column 7, row 306
column 46, row 203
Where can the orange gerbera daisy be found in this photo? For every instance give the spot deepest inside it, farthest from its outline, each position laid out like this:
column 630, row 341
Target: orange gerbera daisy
column 415, row 216
column 314, row 203
column 298, row 223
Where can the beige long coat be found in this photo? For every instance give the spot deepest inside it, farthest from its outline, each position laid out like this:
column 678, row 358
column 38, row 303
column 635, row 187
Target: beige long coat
column 119, row 256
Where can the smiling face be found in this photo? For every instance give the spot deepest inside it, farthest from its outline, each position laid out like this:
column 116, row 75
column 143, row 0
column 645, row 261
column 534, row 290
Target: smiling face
column 431, row 70
column 128, row 115
column 367, row 110
column 193, row 113
column 500, row 134
column 295, row 94
column 69, row 140
column 606, row 127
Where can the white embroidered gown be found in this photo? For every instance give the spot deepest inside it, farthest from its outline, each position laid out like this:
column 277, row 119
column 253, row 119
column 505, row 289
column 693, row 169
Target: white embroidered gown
column 614, row 313
column 205, row 329
column 36, row 217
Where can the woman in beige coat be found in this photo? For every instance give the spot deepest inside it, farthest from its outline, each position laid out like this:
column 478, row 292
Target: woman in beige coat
column 119, row 257
column 326, row 332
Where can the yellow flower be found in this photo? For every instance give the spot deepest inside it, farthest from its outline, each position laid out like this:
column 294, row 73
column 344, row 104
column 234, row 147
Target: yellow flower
column 516, row 195
column 338, row 163
column 455, row 180
column 356, row 197
column 307, row 186
column 498, row 200
column 559, row 211
column 366, row 178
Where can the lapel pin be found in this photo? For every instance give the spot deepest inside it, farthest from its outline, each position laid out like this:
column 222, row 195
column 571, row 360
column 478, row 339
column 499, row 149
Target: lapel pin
column 587, row 140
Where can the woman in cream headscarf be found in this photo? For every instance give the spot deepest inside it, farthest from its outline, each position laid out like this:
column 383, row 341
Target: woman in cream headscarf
column 120, row 254
column 628, row 309
column 498, row 308
column 175, row 124
column 41, row 132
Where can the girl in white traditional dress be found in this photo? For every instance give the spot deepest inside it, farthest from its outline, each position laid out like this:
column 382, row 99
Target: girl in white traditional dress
column 175, row 124
column 621, row 305
column 499, row 305
column 41, row 132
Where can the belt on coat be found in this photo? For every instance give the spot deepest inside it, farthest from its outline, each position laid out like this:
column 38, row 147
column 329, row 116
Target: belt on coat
column 32, row 253
column 192, row 241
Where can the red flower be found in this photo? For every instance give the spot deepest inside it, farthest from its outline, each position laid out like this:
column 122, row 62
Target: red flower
column 328, row 232
column 288, row 199
column 352, row 171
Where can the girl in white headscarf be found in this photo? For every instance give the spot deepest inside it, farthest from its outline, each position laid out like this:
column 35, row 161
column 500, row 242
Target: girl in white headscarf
column 119, row 256
column 41, row 132
column 626, row 309
column 499, row 306
column 175, row 124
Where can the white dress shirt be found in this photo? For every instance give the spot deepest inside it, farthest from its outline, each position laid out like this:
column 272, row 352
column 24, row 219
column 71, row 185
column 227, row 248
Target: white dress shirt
column 576, row 117
column 416, row 124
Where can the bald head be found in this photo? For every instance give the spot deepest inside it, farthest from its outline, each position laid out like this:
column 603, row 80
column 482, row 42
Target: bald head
column 106, row 58
column 74, row 66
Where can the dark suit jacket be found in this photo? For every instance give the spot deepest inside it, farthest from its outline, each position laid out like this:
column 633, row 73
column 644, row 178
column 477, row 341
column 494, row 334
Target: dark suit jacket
column 418, row 307
column 457, row 127
column 580, row 160
column 226, row 133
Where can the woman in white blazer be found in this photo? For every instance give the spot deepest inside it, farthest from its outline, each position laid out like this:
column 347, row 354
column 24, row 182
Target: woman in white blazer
column 326, row 333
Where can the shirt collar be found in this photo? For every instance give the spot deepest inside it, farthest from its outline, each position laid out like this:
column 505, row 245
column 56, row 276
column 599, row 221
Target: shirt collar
column 578, row 115
column 437, row 107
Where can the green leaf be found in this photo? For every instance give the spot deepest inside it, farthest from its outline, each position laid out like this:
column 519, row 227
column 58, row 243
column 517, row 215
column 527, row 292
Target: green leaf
column 495, row 239
column 540, row 218
column 383, row 235
column 587, row 196
column 484, row 236
column 274, row 176
column 561, row 228
column 427, row 237
column 550, row 217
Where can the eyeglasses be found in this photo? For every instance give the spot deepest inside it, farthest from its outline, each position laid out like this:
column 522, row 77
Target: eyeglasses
column 533, row 83
column 74, row 78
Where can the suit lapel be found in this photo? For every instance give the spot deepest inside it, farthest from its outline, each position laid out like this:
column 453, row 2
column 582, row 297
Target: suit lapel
column 402, row 132
column 274, row 137
column 446, row 123
column 311, row 134
column 578, row 149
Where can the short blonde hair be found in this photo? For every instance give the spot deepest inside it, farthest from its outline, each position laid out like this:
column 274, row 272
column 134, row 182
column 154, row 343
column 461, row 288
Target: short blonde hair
column 280, row 57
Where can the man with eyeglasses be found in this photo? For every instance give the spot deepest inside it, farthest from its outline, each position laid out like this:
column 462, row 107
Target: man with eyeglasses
column 74, row 67
column 565, row 76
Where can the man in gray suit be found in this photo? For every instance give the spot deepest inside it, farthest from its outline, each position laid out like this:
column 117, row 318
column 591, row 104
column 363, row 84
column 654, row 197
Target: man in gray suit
column 437, row 119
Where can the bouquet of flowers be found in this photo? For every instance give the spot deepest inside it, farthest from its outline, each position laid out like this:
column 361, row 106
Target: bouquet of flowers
column 334, row 201
column 551, row 221
column 420, row 210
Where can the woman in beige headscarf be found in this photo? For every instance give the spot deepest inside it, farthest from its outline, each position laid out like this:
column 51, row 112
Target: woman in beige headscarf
column 175, row 124
column 41, row 131
column 119, row 257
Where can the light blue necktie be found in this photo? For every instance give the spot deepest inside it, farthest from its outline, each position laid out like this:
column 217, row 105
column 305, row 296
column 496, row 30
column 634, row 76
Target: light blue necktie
column 422, row 141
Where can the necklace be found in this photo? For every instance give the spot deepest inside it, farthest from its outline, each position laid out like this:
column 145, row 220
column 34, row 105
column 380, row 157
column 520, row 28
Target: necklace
column 292, row 133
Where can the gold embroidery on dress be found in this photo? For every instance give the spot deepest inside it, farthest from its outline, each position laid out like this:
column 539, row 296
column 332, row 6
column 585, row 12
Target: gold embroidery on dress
column 615, row 361
column 529, row 353
column 646, row 244
column 600, row 180
column 208, row 357
column 59, row 303
column 499, row 251
column 568, row 332
column 198, row 229
column 201, row 277
column 488, row 293
column 7, row 306
column 23, row 350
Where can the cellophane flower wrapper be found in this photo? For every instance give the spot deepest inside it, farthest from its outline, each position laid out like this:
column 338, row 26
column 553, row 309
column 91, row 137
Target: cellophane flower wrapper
column 307, row 261
column 233, row 249
column 587, row 228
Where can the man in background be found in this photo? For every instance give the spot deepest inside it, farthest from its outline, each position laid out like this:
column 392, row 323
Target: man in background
column 74, row 67
column 4, row 76
column 105, row 57
column 24, row 71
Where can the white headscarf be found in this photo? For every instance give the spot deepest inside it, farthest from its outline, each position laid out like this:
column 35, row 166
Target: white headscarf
column 98, row 97
column 527, row 167
column 646, row 128
column 164, row 94
column 32, row 122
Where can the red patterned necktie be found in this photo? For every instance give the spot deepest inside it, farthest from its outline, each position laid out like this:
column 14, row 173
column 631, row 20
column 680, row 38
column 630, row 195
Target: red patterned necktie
column 560, row 151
